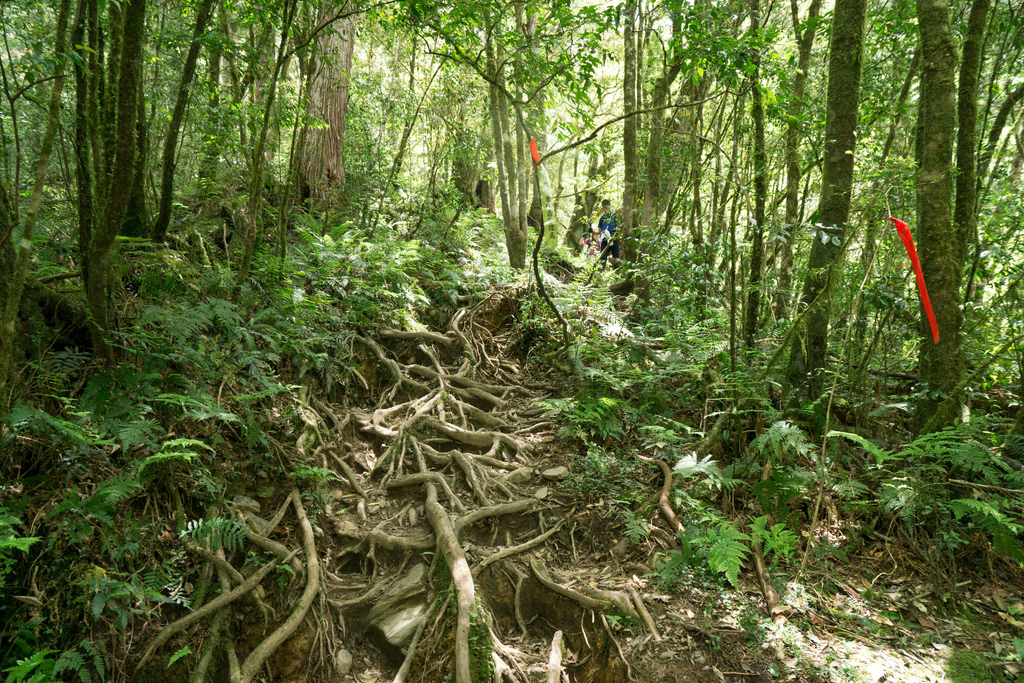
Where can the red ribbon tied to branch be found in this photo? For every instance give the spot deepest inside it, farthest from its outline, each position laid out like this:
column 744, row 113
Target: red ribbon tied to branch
column 904, row 232
column 533, row 151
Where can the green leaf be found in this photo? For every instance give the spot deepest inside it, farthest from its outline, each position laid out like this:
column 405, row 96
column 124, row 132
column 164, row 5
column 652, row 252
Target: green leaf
column 183, row 652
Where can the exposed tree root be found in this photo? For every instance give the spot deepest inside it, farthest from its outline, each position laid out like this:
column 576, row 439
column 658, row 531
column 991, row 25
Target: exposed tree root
column 262, row 652
column 222, row 600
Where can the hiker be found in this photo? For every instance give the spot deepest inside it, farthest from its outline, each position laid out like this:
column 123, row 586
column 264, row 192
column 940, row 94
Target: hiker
column 607, row 224
column 591, row 242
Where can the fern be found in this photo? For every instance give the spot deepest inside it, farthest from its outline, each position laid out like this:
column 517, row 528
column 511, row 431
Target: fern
column 636, row 528
column 778, row 541
column 183, row 652
column 881, row 455
column 727, row 552
column 216, row 533
column 783, row 443
column 36, row 669
column 72, row 660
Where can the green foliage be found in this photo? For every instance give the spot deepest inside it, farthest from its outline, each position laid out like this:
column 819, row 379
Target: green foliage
column 600, row 474
column 635, row 527
column 35, row 669
column 597, row 418
column 216, row 533
column 726, row 551
column 783, row 443
column 183, row 652
column 948, row 485
column 11, row 542
column 779, row 542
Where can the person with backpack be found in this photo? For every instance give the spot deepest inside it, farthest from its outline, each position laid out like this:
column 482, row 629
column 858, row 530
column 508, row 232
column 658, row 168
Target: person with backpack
column 607, row 224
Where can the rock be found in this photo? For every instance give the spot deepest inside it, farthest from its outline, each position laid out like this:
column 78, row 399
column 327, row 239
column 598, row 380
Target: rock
column 343, row 661
column 256, row 523
column 338, row 495
column 555, row 473
column 246, row 504
column 521, row 476
column 541, row 493
column 400, row 610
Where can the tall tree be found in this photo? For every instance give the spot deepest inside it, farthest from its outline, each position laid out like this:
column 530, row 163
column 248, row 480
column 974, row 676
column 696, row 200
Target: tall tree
column 965, row 215
column 805, row 375
column 752, row 311
column 122, row 150
column 942, row 248
column 804, row 40
column 323, row 163
column 163, row 218
column 629, row 128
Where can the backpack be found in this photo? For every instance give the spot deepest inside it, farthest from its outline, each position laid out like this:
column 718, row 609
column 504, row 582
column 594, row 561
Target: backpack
column 612, row 221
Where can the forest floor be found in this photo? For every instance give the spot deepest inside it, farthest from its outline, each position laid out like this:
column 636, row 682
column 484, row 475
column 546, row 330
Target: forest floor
column 528, row 561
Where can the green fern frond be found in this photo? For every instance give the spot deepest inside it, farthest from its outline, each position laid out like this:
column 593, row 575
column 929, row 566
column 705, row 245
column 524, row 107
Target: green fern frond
column 183, row 652
column 727, row 552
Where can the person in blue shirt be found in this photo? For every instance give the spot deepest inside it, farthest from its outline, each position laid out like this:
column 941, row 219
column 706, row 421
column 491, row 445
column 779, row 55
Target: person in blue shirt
column 607, row 224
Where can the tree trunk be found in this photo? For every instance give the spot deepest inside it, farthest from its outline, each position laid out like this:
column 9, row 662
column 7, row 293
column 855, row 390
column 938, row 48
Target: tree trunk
column 805, row 374
column 760, row 189
column 83, row 122
column 494, row 105
column 323, row 164
column 625, row 232
column 965, row 216
column 254, row 206
column 942, row 249
column 163, row 218
column 122, row 169
column 804, row 40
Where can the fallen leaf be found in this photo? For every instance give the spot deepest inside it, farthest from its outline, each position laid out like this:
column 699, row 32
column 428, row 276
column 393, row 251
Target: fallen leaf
column 878, row 618
column 721, row 676
column 1014, row 622
column 926, row 622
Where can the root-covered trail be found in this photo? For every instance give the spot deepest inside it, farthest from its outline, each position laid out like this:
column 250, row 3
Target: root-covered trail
column 450, row 551
column 458, row 515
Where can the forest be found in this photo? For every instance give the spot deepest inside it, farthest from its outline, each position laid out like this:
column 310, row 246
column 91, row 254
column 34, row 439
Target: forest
column 585, row 341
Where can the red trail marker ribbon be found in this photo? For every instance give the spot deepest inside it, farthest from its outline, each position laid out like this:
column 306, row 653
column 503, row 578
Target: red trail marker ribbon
column 908, row 242
column 533, row 151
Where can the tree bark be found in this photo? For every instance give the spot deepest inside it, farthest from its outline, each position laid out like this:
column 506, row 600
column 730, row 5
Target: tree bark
column 804, row 40
column 760, row 189
column 942, row 249
column 122, row 169
column 494, row 106
column 625, row 232
column 323, row 164
column 163, row 217
column 805, row 374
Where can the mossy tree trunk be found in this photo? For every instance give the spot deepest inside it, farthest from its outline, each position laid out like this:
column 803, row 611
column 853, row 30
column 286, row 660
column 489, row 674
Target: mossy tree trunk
column 760, row 188
column 942, row 248
column 804, row 40
column 626, row 231
column 15, row 260
column 805, row 374
column 122, row 149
